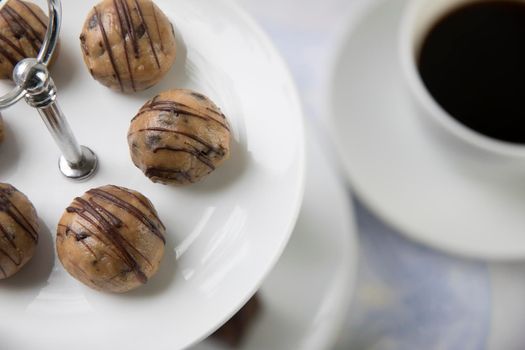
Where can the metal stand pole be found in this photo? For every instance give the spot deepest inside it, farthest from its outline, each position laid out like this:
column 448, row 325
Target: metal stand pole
column 35, row 85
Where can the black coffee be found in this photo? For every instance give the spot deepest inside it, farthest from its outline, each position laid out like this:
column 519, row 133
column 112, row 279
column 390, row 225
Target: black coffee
column 473, row 63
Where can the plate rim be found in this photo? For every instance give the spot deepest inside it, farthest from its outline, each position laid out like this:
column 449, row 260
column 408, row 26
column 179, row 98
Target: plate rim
column 301, row 185
column 347, row 276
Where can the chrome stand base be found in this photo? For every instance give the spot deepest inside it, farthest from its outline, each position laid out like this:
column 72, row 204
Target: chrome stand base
column 83, row 171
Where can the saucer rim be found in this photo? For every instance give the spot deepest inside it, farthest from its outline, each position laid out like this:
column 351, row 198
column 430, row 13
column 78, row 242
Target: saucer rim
column 364, row 11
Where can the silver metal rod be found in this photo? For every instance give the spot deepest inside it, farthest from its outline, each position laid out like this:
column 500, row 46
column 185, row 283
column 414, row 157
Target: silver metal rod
column 76, row 162
column 11, row 98
column 48, row 46
column 34, row 83
column 60, row 130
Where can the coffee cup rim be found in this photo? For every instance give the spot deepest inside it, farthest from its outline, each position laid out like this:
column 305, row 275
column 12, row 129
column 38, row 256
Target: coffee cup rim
column 432, row 108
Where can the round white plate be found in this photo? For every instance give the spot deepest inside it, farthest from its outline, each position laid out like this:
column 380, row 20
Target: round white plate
column 224, row 234
column 438, row 198
column 305, row 298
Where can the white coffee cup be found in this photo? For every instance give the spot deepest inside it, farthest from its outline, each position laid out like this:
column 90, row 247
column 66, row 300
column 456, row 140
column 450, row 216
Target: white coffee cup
column 418, row 19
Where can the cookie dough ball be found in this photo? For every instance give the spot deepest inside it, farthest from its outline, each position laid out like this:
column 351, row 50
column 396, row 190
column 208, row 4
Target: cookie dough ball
column 18, row 230
column 22, row 29
column 1, row 129
column 111, row 239
column 128, row 45
column 179, row 137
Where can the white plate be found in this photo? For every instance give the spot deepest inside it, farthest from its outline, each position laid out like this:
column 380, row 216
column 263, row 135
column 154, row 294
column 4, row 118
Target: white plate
column 438, row 198
column 224, row 235
column 305, row 298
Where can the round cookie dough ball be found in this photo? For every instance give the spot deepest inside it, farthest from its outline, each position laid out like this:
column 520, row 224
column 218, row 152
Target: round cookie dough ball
column 179, row 137
column 22, row 29
column 111, row 239
column 128, row 45
column 18, row 230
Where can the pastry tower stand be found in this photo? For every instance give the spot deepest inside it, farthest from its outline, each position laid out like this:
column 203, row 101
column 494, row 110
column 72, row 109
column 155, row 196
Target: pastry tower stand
column 35, row 85
column 218, row 250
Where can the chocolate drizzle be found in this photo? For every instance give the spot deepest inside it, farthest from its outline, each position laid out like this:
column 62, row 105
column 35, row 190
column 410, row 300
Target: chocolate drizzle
column 147, row 205
column 104, row 225
column 8, row 207
column 12, row 45
column 178, row 109
column 144, row 24
column 33, row 13
column 157, row 25
column 130, row 209
column 9, row 248
column 201, row 156
column 179, row 137
column 193, row 137
column 5, row 235
column 130, row 28
column 108, row 224
column 93, row 235
column 20, row 26
column 8, row 56
column 108, row 48
column 167, row 174
column 127, row 30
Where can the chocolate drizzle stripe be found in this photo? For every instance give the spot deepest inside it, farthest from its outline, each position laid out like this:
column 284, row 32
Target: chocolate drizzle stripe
column 34, row 38
column 109, row 216
column 8, row 56
column 110, row 243
column 163, row 173
column 199, row 156
column 145, row 258
column 182, row 133
column 153, row 10
column 6, row 205
column 6, row 237
column 33, row 13
column 130, row 209
column 220, row 114
column 5, row 234
column 13, row 31
column 141, row 15
column 194, row 111
column 177, row 108
column 133, row 34
column 108, row 47
column 109, row 231
column 24, row 223
column 106, row 243
column 117, row 223
column 146, row 205
column 3, row 271
column 125, row 28
column 3, row 252
column 12, row 46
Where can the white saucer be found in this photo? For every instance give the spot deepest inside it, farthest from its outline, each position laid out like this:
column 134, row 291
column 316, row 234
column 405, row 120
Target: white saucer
column 443, row 200
column 224, row 234
column 305, row 298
